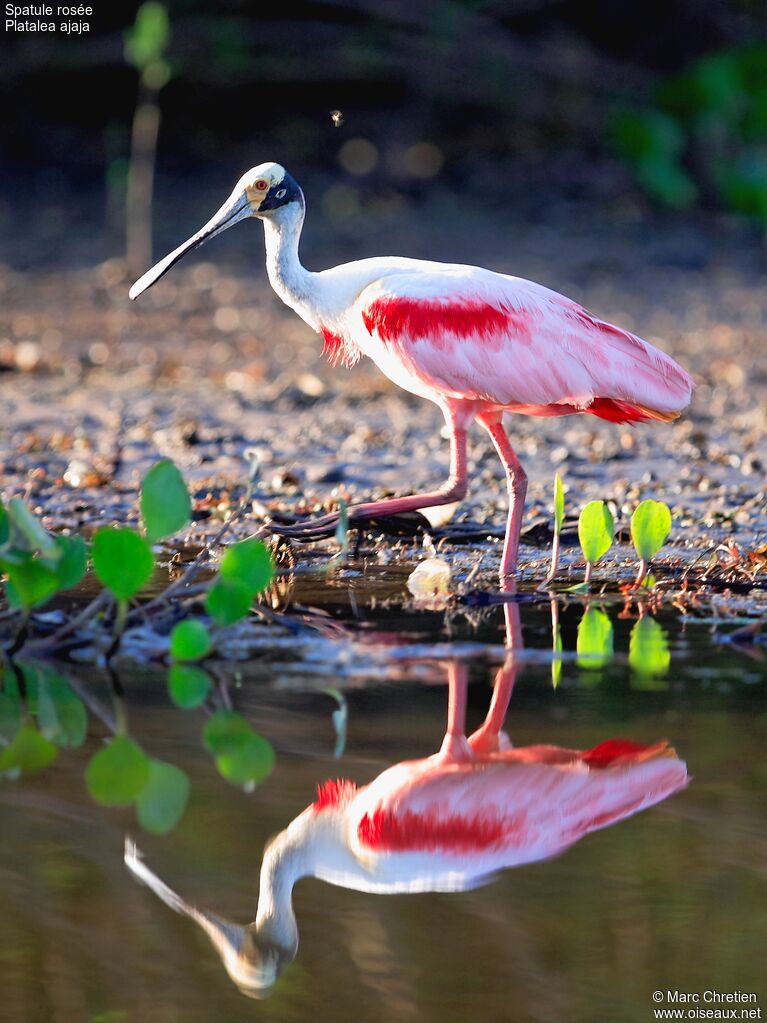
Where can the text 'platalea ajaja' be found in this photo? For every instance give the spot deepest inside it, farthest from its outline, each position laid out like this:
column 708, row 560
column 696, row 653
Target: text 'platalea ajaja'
column 475, row 342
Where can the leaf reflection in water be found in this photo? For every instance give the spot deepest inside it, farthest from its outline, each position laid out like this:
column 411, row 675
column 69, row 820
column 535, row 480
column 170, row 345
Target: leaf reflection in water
column 448, row 822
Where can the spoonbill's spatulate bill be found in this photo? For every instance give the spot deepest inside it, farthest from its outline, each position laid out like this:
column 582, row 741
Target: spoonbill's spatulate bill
column 448, row 822
column 475, row 342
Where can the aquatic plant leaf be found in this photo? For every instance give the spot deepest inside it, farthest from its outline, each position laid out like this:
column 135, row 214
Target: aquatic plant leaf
column 227, row 601
column 189, row 641
column 31, row 529
column 595, row 530
column 594, row 644
column 342, row 529
column 188, row 685
column 647, row 135
column 28, row 752
column 559, row 504
column 30, row 582
column 61, row 714
column 147, row 39
column 250, row 563
column 5, row 527
column 122, row 560
column 556, row 660
column 649, row 653
column 165, row 503
column 225, row 731
column 667, row 182
column 650, row 527
column 72, row 562
column 118, row 772
column 162, row 801
column 248, row 763
column 10, row 716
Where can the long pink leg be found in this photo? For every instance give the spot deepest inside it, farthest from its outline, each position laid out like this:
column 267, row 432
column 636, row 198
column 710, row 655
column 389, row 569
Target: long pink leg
column 489, row 738
column 454, row 489
column 516, row 480
column 454, row 745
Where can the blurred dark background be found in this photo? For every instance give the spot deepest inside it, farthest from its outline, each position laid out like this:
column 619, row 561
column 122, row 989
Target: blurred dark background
column 660, row 107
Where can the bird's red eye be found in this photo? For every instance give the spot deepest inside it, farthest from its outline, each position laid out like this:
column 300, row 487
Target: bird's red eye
column 262, row 185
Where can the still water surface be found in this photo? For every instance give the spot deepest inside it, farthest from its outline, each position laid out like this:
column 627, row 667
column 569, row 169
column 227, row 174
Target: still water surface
column 672, row 897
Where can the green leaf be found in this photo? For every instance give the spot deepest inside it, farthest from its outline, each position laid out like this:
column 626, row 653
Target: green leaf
column 163, row 799
column 5, row 527
column 559, row 504
column 248, row 562
column 227, row 601
column 122, row 560
column 147, row 39
column 668, row 182
column 30, row 583
column 117, row 773
column 650, row 527
column 594, row 644
column 342, row 529
column 743, row 185
column 61, row 714
column 28, row 752
column 165, row 503
column 10, row 716
column 72, row 562
column 225, row 731
column 647, row 135
column 595, row 530
column 556, row 660
column 37, row 538
column 247, row 764
column 188, row 685
column 649, row 653
column 189, row 641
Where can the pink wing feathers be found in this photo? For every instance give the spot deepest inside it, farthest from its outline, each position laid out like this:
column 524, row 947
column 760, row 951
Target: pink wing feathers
column 471, row 333
column 530, row 802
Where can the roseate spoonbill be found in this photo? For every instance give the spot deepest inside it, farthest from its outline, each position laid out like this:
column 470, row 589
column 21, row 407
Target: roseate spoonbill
column 446, row 823
column 475, row 342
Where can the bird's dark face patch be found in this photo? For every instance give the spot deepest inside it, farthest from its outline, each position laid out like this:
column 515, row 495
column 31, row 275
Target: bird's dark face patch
column 284, row 192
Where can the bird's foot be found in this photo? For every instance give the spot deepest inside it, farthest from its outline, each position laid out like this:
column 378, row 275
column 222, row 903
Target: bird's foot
column 324, row 527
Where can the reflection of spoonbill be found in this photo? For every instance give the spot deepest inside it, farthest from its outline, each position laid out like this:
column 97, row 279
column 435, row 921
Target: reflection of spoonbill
column 444, row 823
column 477, row 343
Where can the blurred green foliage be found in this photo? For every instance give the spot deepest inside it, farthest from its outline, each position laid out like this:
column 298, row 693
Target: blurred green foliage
column 704, row 138
column 145, row 44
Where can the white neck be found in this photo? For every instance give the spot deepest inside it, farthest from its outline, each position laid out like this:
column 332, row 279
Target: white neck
column 286, row 859
column 296, row 286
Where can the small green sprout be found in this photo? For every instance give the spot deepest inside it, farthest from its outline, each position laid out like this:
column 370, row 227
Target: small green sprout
column 594, row 644
column 165, row 503
column 242, row 757
column 161, row 802
column 556, row 645
column 36, row 563
column 122, row 560
column 119, row 771
column 246, row 569
column 650, row 527
column 189, row 641
column 649, row 655
column 188, row 685
column 596, row 530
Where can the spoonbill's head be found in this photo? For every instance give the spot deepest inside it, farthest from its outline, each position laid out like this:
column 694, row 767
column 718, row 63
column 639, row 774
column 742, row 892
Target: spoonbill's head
column 261, row 192
column 252, row 959
column 254, row 955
